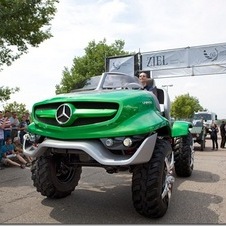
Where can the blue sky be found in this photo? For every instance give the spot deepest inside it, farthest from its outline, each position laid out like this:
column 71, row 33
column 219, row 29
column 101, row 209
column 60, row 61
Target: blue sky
column 145, row 25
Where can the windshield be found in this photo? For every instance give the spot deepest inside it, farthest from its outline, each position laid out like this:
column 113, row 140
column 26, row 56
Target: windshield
column 109, row 80
column 204, row 116
column 117, row 81
column 92, row 83
column 89, row 84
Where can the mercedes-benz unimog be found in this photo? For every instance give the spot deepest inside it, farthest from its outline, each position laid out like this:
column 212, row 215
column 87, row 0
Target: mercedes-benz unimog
column 117, row 126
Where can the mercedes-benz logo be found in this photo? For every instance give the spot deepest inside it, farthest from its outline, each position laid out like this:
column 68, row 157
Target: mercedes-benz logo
column 63, row 114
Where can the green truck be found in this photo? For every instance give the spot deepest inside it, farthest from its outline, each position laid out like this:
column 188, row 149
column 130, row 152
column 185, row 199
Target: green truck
column 115, row 125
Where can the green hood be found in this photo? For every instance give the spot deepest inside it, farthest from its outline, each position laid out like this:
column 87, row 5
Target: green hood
column 97, row 114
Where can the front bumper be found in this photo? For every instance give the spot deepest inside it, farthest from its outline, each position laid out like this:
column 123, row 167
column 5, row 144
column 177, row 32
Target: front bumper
column 95, row 149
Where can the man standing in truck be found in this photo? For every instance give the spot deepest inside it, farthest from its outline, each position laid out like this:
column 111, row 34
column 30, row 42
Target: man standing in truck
column 147, row 82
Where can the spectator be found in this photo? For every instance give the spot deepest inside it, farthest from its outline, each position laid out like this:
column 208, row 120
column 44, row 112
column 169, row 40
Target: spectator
column 2, row 125
column 22, row 128
column 14, row 124
column 7, row 128
column 27, row 115
column 222, row 131
column 18, row 149
column 213, row 135
column 9, row 157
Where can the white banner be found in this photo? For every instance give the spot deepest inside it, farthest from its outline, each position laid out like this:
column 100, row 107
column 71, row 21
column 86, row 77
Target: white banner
column 190, row 61
column 170, row 73
column 207, row 55
column 164, row 59
column 210, row 70
column 121, row 64
column 185, row 58
column 190, row 71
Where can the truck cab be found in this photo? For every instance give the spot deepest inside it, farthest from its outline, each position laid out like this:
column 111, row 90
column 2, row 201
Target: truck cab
column 207, row 117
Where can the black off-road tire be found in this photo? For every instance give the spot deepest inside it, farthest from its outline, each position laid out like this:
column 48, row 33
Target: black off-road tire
column 148, row 182
column 184, row 156
column 54, row 177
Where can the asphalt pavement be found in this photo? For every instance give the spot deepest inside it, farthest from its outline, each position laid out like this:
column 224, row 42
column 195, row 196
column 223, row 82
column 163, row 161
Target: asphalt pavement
column 102, row 198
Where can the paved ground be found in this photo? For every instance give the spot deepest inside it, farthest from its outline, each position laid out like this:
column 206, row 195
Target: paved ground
column 101, row 198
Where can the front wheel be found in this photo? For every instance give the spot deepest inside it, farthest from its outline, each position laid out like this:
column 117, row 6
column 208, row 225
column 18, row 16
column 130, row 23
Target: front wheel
column 184, row 156
column 54, row 176
column 152, row 182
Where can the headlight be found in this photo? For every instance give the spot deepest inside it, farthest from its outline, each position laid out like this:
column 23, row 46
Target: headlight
column 109, row 142
column 127, row 142
column 122, row 143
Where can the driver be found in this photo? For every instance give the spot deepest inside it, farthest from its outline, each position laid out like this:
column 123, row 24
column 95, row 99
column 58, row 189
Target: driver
column 147, row 82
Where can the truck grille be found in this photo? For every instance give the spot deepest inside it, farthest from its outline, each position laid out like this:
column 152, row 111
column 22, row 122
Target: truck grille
column 85, row 113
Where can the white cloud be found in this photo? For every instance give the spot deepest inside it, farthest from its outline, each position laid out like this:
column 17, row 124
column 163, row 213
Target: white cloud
column 147, row 25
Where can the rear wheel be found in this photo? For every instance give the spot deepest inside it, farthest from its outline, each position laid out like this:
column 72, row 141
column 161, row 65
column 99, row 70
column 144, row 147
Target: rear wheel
column 184, row 155
column 54, row 176
column 152, row 182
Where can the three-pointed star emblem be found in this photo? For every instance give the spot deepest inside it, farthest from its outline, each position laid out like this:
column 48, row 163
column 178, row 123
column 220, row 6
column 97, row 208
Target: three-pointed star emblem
column 63, row 114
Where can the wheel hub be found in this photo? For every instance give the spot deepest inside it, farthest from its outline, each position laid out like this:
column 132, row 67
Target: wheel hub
column 169, row 179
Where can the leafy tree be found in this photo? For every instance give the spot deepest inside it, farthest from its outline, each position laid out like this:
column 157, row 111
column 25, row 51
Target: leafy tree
column 184, row 106
column 24, row 23
column 91, row 64
column 5, row 93
column 20, row 109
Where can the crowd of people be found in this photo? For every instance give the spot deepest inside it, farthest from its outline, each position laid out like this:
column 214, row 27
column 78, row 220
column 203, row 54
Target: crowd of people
column 12, row 131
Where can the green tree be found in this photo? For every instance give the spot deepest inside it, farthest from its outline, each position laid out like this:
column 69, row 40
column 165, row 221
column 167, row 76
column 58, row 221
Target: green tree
column 20, row 109
column 24, row 23
column 91, row 64
column 184, row 106
column 5, row 93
